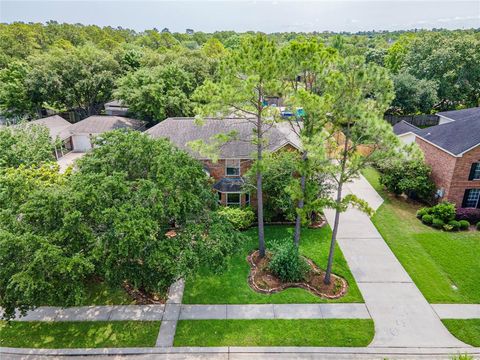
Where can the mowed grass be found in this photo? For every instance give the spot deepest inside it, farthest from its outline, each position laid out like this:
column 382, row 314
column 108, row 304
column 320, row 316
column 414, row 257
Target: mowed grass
column 231, row 287
column 444, row 265
column 326, row 332
column 467, row 331
column 92, row 334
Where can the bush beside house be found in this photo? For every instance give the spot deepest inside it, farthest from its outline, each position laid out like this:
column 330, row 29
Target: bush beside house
column 445, row 216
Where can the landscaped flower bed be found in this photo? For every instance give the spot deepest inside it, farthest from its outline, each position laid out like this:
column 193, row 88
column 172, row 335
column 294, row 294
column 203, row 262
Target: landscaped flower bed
column 263, row 280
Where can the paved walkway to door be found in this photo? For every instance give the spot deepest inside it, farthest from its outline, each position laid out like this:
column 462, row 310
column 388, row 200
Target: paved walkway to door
column 402, row 316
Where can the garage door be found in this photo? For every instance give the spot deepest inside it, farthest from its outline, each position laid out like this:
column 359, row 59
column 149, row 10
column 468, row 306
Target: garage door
column 81, row 143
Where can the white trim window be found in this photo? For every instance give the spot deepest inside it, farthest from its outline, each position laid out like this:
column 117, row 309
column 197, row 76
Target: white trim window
column 233, row 199
column 232, row 167
column 472, row 199
column 476, row 171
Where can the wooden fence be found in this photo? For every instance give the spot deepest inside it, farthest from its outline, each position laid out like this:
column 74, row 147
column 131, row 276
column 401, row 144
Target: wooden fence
column 417, row 120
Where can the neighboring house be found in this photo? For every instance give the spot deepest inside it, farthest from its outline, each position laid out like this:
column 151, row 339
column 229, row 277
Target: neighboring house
column 235, row 156
column 58, row 128
column 405, row 131
column 116, row 108
column 82, row 132
column 452, row 149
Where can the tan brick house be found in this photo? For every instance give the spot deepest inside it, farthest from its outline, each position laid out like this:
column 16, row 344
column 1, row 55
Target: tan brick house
column 235, row 156
column 452, row 149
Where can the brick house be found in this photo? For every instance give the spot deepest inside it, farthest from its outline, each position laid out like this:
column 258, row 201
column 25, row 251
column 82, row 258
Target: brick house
column 235, row 156
column 452, row 149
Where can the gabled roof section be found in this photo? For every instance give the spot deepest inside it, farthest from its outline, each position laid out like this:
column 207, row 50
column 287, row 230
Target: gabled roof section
column 98, row 124
column 181, row 131
column 460, row 115
column 404, row 127
column 57, row 126
column 456, row 137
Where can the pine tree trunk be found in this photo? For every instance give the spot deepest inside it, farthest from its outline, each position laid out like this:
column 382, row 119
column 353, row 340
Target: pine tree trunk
column 337, row 211
column 334, row 236
column 261, row 232
column 300, row 204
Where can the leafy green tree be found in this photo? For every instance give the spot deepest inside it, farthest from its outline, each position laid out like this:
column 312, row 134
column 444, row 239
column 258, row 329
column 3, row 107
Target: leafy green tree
column 408, row 175
column 80, row 78
column 154, row 94
column 16, row 101
column 359, row 94
column 279, row 170
column 43, row 246
column 25, row 144
column 247, row 77
column 413, row 95
column 131, row 190
column 307, row 64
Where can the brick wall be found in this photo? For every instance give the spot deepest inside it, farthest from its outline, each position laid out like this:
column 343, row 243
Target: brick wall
column 442, row 163
column 217, row 172
column 450, row 172
column 460, row 180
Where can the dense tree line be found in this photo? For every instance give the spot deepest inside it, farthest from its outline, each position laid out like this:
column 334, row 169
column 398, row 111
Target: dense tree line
column 75, row 67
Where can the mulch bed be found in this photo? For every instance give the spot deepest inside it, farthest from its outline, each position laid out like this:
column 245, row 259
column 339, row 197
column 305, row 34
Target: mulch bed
column 263, row 281
column 141, row 297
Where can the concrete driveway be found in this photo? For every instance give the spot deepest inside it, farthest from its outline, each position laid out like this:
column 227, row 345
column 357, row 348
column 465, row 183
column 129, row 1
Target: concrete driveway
column 68, row 159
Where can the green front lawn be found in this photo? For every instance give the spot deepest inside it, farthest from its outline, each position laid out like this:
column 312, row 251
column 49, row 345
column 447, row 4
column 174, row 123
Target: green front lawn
column 231, row 287
column 88, row 334
column 467, row 331
column 331, row 332
column 444, row 265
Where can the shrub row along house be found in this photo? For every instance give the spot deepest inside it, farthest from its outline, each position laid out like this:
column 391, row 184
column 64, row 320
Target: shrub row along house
column 452, row 149
column 235, row 157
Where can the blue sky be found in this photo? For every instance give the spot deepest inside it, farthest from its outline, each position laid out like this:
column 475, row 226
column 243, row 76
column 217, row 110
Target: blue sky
column 267, row 16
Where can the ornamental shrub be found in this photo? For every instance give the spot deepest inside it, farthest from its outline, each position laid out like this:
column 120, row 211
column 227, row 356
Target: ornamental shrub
column 478, row 225
column 421, row 212
column 286, row 262
column 454, row 224
column 240, row 218
column 427, row 219
column 464, row 224
column 410, row 177
column 469, row 214
column 444, row 211
column 438, row 223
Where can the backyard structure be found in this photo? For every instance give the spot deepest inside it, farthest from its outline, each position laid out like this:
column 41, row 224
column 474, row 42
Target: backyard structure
column 58, row 129
column 235, row 156
column 82, row 132
column 452, row 149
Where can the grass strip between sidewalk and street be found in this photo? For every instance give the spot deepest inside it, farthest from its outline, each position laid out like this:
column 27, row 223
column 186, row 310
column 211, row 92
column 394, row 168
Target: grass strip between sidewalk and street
column 82, row 334
column 322, row 332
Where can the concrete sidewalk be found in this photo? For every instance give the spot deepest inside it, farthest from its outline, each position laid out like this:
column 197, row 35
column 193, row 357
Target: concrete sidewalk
column 402, row 316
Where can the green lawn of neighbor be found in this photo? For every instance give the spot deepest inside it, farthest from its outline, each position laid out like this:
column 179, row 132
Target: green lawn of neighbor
column 91, row 334
column 326, row 332
column 231, row 287
column 467, row 331
column 444, row 265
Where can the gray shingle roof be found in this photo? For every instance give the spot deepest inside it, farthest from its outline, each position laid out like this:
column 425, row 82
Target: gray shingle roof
column 465, row 114
column 457, row 136
column 181, row 131
column 57, row 126
column 404, row 127
column 98, row 124
column 229, row 184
